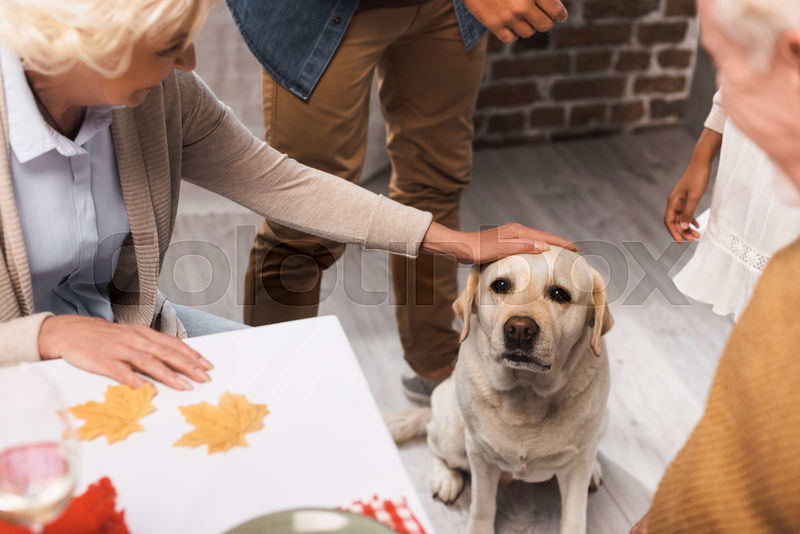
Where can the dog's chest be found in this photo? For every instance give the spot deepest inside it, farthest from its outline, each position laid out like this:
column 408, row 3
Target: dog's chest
column 533, row 453
column 532, row 438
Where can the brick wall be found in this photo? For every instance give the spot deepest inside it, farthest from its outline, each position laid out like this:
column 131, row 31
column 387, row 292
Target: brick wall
column 616, row 65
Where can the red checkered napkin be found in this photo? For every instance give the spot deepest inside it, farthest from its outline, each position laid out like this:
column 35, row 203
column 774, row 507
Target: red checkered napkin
column 394, row 514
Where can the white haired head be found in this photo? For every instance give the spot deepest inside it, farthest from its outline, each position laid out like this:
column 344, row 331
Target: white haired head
column 50, row 36
column 758, row 24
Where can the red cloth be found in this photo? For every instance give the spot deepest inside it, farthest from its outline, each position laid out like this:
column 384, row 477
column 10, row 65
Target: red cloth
column 94, row 512
column 394, row 514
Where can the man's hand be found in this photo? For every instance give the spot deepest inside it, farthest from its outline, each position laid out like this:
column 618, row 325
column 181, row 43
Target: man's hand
column 511, row 19
column 118, row 351
column 490, row 245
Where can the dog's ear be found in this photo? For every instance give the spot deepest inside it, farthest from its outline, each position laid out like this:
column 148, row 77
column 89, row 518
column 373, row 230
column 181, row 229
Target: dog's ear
column 601, row 320
column 464, row 303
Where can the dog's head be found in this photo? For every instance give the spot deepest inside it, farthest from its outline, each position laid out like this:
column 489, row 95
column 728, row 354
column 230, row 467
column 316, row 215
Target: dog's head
column 533, row 310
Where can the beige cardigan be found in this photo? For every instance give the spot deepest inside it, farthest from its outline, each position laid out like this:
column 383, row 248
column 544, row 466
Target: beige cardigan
column 183, row 131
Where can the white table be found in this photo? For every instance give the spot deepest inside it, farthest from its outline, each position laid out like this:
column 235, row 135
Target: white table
column 323, row 444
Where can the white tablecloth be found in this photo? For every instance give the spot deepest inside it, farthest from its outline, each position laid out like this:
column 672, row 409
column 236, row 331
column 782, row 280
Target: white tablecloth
column 323, row 444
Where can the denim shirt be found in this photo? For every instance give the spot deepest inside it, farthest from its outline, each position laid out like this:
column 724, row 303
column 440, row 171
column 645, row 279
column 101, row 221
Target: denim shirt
column 295, row 39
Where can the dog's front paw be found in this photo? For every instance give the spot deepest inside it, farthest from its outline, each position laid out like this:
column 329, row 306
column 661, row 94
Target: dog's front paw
column 597, row 476
column 447, row 485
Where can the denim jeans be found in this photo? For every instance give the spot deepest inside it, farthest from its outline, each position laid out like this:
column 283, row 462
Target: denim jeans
column 200, row 323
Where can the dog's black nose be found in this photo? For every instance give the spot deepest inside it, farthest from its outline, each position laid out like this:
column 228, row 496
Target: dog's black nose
column 520, row 332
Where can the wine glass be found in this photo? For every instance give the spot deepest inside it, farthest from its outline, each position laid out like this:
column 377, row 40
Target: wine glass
column 38, row 450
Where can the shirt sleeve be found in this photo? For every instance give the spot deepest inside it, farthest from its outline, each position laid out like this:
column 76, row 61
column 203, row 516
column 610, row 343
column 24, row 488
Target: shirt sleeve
column 19, row 339
column 718, row 116
column 223, row 156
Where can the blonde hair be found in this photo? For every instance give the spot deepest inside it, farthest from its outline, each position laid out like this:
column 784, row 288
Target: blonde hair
column 758, row 24
column 51, row 36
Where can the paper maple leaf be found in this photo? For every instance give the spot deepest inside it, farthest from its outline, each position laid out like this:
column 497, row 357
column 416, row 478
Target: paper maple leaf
column 118, row 416
column 222, row 427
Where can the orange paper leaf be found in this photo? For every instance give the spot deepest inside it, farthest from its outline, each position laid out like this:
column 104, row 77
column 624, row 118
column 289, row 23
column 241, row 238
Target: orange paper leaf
column 222, row 427
column 118, row 416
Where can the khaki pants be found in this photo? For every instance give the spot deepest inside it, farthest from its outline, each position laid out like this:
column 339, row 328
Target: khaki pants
column 428, row 87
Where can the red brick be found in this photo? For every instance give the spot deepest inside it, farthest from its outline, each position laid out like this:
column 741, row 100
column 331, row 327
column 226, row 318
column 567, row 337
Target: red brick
column 593, row 35
column 674, row 58
column 627, row 112
column 530, row 66
column 599, row 9
column 631, row 60
column 580, row 89
column 681, row 8
column 550, row 117
column 586, row 115
column 511, row 122
column 666, row 109
column 593, row 61
column 659, row 84
column 662, row 32
column 508, row 95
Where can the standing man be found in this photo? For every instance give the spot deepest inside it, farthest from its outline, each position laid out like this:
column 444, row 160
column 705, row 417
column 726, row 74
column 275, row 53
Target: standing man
column 319, row 57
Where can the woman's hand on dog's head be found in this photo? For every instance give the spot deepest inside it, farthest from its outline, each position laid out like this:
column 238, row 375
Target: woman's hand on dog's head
column 490, row 245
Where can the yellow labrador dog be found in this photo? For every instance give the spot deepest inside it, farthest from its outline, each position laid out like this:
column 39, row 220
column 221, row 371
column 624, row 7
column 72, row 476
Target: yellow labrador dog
column 528, row 395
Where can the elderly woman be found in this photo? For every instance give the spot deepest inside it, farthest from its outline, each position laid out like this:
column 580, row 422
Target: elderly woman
column 740, row 469
column 101, row 118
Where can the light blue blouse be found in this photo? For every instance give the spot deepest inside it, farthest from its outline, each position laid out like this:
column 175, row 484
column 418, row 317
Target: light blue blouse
column 69, row 201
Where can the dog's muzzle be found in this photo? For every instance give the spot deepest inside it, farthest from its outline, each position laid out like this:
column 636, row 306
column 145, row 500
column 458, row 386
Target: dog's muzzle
column 520, row 334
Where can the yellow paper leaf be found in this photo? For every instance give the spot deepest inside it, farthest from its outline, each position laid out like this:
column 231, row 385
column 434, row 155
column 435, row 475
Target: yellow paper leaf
column 118, row 416
column 222, row 427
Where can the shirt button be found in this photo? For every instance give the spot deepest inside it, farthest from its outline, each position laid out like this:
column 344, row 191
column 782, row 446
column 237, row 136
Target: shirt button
column 337, row 20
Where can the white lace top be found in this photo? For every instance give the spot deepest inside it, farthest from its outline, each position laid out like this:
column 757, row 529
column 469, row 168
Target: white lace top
column 748, row 223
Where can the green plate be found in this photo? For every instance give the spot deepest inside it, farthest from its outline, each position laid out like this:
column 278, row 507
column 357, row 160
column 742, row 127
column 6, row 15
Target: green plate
column 310, row 521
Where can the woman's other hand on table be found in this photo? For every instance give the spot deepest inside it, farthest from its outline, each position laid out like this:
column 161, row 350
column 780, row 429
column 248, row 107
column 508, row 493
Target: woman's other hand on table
column 490, row 245
column 118, row 351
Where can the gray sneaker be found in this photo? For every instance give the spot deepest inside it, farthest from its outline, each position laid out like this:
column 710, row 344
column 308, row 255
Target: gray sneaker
column 419, row 389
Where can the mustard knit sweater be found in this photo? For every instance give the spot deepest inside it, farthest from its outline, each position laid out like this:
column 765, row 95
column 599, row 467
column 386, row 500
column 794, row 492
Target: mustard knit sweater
column 740, row 469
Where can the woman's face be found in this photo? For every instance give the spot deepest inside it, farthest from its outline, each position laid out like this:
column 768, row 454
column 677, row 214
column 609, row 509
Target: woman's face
column 150, row 64
column 765, row 105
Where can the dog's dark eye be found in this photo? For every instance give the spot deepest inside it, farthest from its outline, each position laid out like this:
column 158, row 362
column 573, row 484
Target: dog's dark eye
column 501, row 285
column 559, row 294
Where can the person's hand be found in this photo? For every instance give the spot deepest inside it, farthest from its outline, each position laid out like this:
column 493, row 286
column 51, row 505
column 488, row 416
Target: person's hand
column 511, row 19
column 117, row 351
column 490, row 245
column 682, row 203
column 641, row 526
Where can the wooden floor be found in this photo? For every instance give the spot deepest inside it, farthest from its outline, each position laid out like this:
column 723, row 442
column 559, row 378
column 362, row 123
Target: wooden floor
column 662, row 355
column 607, row 192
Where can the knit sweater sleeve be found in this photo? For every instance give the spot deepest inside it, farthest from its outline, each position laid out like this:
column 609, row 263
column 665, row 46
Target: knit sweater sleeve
column 222, row 155
column 740, row 469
